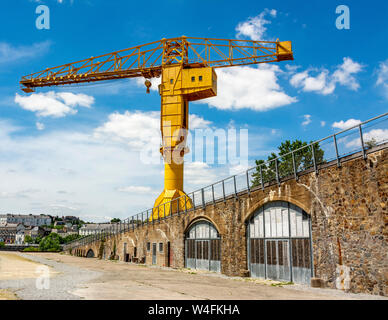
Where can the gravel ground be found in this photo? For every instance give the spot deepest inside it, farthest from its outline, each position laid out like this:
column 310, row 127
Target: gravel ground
column 69, row 279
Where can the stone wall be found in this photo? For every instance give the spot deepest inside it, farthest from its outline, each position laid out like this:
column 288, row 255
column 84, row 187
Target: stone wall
column 348, row 208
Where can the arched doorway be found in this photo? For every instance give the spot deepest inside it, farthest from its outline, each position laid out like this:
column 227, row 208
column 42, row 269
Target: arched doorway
column 279, row 243
column 203, row 247
column 90, row 254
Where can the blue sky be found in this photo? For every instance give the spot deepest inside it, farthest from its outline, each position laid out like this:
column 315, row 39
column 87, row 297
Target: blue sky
column 76, row 150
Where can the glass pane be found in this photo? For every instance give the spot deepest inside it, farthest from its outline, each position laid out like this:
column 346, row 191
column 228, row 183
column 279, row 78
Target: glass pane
column 299, row 226
column 267, row 223
column 279, row 222
column 293, row 222
column 285, row 222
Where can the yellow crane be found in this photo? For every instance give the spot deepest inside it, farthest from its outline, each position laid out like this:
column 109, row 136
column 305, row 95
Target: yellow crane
column 187, row 67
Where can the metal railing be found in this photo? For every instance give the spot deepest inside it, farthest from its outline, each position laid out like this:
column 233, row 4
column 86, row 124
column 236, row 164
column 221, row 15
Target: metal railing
column 335, row 147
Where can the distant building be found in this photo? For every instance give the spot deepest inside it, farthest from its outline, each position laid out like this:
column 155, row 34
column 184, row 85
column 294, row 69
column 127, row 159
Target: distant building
column 8, row 232
column 19, row 238
column 35, row 232
column 71, row 219
column 27, row 220
column 59, row 223
column 93, row 228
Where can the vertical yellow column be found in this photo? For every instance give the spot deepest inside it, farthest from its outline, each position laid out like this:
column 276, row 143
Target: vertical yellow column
column 174, row 118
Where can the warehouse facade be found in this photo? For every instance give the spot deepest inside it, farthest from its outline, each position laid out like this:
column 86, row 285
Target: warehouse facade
column 330, row 227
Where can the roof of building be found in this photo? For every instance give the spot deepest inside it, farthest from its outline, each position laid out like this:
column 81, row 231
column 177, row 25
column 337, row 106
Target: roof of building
column 96, row 226
column 41, row 216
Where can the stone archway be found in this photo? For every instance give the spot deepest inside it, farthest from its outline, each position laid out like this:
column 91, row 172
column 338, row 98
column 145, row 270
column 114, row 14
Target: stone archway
column 90, row 254
column 279, row 243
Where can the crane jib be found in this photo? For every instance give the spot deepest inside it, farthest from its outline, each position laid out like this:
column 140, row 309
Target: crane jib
column 147, row 60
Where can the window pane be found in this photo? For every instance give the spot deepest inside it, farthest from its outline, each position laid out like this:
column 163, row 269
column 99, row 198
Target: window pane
column 267, row 223
column 285, row 222
column 279, row 222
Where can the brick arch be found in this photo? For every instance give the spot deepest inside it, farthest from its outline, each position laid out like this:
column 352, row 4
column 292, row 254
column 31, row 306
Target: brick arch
column 202, row 217
column 90, row 253
column 266, row 200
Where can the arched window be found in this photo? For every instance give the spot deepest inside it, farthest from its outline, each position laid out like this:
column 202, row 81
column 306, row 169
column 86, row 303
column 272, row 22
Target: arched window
column 203, row 247
column 279, row 243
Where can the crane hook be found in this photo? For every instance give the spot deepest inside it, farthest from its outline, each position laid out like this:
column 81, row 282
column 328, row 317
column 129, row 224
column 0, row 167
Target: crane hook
column 148, row 85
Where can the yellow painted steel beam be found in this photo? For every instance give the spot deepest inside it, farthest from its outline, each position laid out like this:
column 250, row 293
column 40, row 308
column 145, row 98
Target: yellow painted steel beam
column 186, row 66
column 147, row 60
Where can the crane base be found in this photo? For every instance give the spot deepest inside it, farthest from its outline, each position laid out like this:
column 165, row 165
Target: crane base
column 170, row 202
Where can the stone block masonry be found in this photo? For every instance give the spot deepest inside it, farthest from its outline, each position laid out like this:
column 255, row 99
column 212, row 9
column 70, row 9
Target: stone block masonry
column 348, row 209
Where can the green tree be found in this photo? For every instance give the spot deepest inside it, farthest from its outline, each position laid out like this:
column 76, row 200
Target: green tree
column 2, row 244
column 37, row 240
column 51, row 242
column 28, row 239
column 303, row 160
column 114, row 220
column 371, row 143
column 70, row 238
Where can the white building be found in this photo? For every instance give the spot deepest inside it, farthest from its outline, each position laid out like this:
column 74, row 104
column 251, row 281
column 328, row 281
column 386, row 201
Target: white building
column 94, row 228
column 27, row 220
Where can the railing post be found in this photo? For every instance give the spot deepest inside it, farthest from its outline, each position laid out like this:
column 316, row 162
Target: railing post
column 336, row 151
column 193, row 201
column 203, row 197
column 314, row 161
column 177, row 204
column 185, row 203
column 248, row 187
column 223, row 189
column 294, row 166
column 362, row 142
column 214, row 200
column 235, row 186
column 164, row 210
column 277, row 171
column 261, row 177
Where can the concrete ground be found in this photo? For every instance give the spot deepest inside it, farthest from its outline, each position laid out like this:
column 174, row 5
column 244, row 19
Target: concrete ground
column 82, row 278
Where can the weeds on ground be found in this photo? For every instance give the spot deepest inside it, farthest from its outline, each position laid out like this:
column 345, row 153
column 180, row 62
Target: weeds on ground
column 281, row 284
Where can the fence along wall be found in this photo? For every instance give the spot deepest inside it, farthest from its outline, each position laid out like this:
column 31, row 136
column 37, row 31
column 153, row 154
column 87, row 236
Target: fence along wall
column 348, row 210
column 225, row 202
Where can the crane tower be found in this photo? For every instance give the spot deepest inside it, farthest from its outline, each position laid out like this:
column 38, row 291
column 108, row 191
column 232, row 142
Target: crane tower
column 187, row 70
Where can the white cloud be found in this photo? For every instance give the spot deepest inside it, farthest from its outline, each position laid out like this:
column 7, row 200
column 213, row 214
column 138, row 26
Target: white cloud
column 136, row 129
column 325, row 83
column 136, row 189
column 307, row 120
column 34, row 168
column 10, row 53
column 342, row 125
column 197, row 122
column 250, row 88
column 382, row 73
column 53, row 104
column 255, row 27
column 378, row 135
column 323, row 123
column 320, row 83
column 344, row 74
column 139, row 129
column 40, row 126
column 199, row 173
column 382, row 77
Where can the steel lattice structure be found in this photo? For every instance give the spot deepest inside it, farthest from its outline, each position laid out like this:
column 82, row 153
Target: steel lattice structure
column 147, row 60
